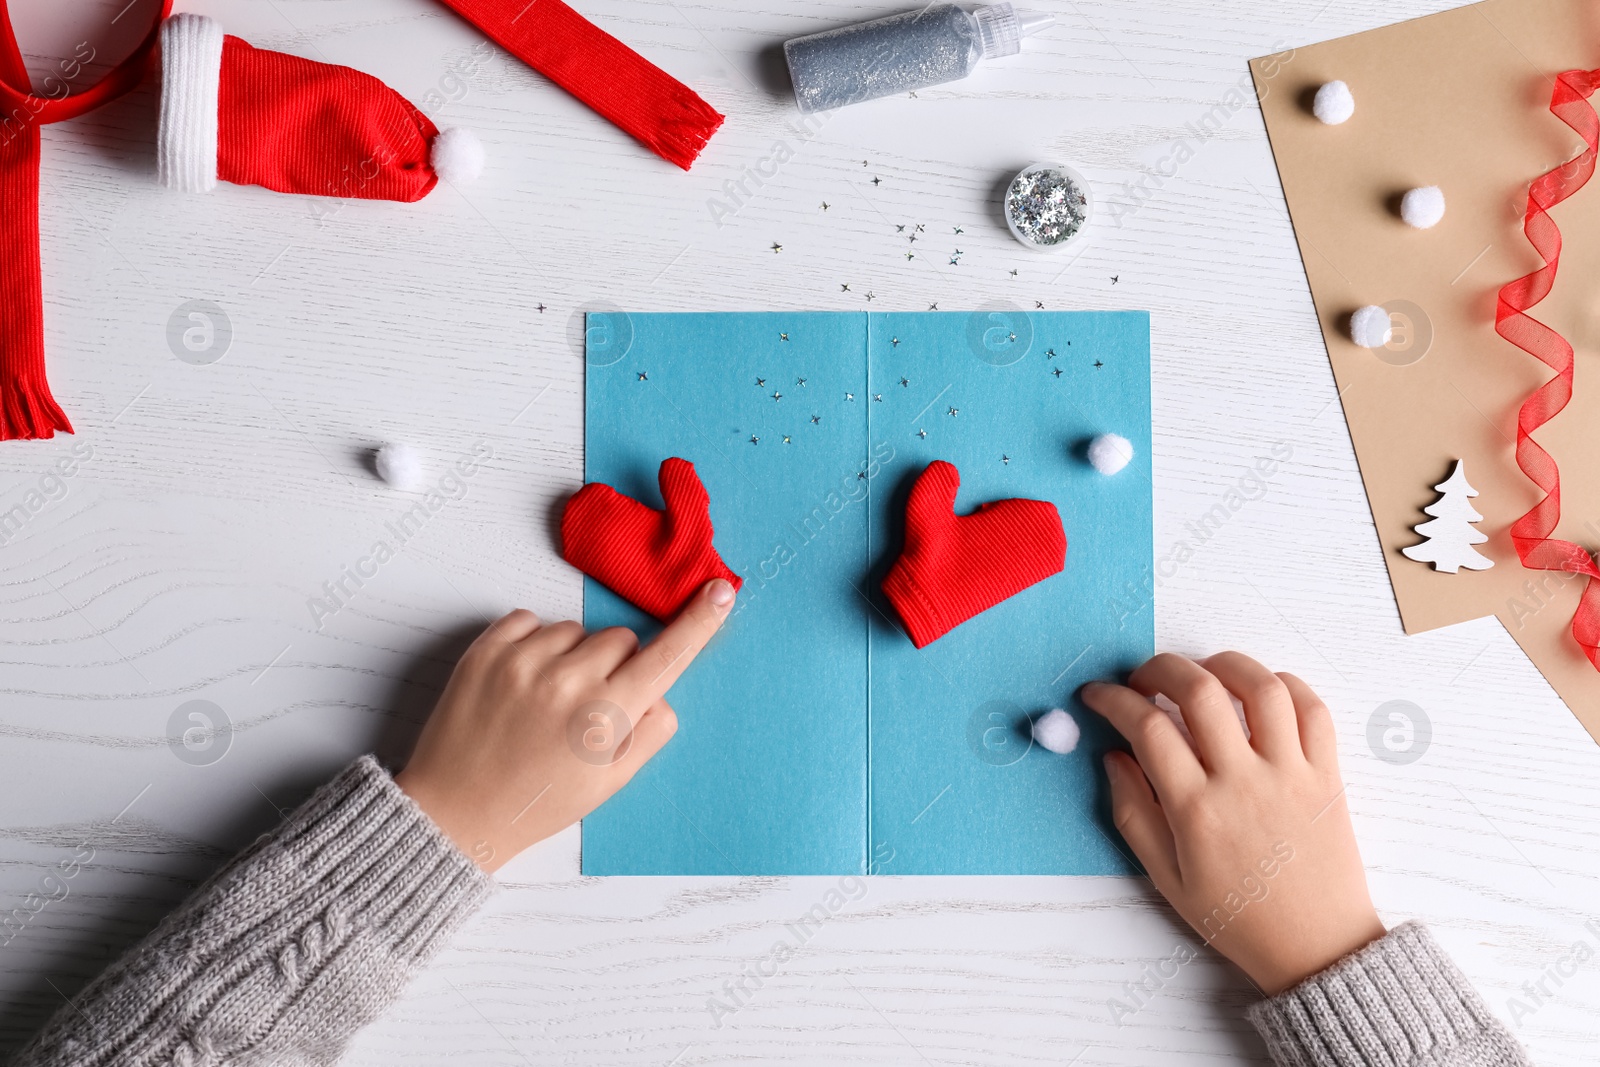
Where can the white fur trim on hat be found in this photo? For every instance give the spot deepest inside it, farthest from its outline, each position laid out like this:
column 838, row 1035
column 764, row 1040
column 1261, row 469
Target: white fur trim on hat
column 191, row 73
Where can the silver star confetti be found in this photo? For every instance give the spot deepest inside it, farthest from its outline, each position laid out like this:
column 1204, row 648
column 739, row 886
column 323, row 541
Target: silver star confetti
column 1046, row 206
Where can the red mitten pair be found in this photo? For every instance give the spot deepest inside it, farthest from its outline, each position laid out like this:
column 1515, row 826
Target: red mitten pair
column 956, row 566
column 952, row 567
column 653, row 559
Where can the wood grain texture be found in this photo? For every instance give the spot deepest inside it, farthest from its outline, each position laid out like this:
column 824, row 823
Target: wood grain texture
column 177, row 563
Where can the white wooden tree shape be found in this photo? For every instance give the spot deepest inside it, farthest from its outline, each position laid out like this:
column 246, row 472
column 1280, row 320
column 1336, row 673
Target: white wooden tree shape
column 1450, row 535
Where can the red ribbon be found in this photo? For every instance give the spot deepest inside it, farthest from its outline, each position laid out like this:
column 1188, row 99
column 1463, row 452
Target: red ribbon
column 1531, row 534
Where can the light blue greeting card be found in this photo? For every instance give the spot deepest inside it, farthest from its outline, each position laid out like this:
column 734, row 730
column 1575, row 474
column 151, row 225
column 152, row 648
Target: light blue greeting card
column 813, row 737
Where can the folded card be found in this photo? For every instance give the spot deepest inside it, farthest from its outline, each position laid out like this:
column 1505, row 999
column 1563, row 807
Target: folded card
column 814, row 737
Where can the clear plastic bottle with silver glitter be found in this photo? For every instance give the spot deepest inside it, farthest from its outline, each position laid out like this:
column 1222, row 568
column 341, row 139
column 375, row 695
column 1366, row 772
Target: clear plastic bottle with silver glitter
column 929, row 46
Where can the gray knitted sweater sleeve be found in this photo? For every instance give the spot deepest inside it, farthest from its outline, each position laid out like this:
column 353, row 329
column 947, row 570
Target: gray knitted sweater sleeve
column 309, row 934
column 1399, row 1002
column 291, row 948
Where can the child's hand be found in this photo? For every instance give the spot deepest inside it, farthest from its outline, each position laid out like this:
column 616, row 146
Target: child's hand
column 1249, row 838
column 539, row 725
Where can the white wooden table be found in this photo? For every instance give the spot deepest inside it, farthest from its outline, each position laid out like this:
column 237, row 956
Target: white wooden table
column 177, row 563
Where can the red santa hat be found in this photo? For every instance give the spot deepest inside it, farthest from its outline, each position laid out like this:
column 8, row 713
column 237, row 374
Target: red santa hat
column 246, row 115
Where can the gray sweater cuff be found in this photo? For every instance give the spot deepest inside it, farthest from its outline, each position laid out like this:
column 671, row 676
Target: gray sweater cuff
column 363, row 846
column 1399, row 1001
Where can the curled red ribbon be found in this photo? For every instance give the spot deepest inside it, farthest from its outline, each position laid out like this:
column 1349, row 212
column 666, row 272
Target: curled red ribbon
column 1531, row 534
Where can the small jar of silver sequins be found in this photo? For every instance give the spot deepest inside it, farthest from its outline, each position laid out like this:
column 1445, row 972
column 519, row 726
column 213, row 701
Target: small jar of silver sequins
column 1048, row 206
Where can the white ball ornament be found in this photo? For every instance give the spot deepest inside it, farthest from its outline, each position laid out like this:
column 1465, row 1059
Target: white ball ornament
column 1333, row 103
column 1422, row 207
column 399, row 465
column 1370, row 327
column 1056, row 731
column 457, row 156
column 1110, row 452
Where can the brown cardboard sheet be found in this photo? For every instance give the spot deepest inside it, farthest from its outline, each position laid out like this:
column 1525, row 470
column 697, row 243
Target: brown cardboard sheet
column 1459, row 100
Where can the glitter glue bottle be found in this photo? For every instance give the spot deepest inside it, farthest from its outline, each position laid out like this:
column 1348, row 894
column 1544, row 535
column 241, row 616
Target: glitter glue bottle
column 929, row 46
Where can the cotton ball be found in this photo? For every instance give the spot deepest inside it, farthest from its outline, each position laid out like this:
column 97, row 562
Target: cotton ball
column 399, row 465
column 1110, row 452
column 1370, row 327
column 1056, row 731
column 1422, row 207
column 457, row 156
column 1334, row 104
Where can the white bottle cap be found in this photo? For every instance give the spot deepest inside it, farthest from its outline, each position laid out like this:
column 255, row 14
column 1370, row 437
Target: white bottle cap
column 1002, row 27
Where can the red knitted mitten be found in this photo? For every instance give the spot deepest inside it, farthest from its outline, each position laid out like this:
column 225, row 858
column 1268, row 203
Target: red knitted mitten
column 955, row 566
column 653, row 559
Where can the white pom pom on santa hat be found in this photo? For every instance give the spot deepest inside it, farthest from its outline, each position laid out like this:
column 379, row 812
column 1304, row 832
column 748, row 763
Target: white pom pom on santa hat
column 1370, row 327
column 1057, row 731
column 1110, row 452
column 457, row 156
column 1333, row 103
column 1422, row 207
column 399, row 465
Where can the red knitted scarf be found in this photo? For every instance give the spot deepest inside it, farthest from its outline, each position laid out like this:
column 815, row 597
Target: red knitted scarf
column 27, row 410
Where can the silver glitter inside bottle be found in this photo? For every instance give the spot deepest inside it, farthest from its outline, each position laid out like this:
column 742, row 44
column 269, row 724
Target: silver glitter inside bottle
column 929, row 46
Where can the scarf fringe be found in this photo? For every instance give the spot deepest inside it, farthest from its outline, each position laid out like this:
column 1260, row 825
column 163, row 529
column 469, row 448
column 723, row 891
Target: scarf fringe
column 29, row 413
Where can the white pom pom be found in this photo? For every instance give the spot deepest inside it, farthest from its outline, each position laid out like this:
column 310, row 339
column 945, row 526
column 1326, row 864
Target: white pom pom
column 1056, row 731
column 1109, row 453
column 1334, row 104
column 1422, row 207
column 399, row 465
column 1370, row 327
column 457, row 156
